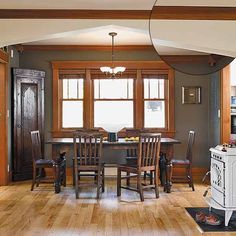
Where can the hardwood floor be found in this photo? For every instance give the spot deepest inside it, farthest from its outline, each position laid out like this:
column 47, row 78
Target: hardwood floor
column 42, row 212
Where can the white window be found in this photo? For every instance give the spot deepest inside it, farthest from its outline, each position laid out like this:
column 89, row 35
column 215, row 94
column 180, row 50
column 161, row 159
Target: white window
column 113, row 103
column 72, row 103
column 154, row 102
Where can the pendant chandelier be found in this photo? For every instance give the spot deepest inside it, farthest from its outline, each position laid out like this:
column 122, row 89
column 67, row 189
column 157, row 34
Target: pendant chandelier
column 113, row 72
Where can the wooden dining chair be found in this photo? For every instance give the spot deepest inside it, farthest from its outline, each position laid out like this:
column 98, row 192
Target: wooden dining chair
column 85, row 173
column 186, row 163
column 148, row 160
column 87, row 158
column 58, row 165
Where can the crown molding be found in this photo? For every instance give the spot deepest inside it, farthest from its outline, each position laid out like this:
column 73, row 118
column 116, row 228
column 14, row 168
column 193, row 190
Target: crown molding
column 22, row 48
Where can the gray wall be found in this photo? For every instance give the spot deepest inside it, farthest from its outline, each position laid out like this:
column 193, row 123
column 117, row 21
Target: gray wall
column 187, row 117
column 214, row 102
column 193, row 117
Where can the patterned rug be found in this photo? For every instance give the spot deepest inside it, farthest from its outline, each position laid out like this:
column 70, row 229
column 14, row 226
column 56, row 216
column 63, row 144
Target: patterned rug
column 216, row 228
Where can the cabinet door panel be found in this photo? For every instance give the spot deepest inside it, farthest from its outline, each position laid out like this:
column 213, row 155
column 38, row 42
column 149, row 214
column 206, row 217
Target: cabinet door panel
column 28, row 116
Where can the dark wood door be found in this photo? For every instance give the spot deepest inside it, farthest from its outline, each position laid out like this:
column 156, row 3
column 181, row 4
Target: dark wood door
column 28, row 116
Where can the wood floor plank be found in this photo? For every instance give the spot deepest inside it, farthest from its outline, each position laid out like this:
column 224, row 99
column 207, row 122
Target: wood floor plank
column 42, row 212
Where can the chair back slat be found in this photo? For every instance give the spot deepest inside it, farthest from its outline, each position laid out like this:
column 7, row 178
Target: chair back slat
column 36, row 145
column 133, row 152
column 87, row 147
column 191, row 139
column 149, row 149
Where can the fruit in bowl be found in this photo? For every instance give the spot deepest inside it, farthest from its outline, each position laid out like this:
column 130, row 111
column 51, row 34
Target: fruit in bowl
column 132, row 139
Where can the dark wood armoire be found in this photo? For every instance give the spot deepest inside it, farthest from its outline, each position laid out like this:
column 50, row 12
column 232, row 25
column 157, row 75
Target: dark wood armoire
column 28, row 115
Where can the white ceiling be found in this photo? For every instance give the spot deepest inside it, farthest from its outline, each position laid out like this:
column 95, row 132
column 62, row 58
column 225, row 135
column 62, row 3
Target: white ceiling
column 78, row 4
column 202, row 36
column 100, row 36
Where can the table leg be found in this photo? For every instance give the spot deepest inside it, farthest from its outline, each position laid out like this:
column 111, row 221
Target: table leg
column 169, row 168
column 57, row 182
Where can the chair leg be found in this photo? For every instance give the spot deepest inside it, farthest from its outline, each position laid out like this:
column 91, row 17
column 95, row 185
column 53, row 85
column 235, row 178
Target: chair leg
column 156, row 183
column 191, row 178
column 118, row 182
column 38, row 177
column 103, row 179
column 151, row 177
column 64, row 175
column 145, row 175
column 57, row 182
column 98, row 182
column 95, row 176
column 33, row 179
column 75, row 179
column 73, row 173
column 128, row 179
column 140, row 188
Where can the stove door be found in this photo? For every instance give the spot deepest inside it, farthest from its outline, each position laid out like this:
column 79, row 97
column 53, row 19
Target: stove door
column 218, row 175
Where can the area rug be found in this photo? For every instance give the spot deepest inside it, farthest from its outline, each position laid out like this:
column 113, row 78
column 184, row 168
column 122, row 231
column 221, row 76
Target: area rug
column 216, row 228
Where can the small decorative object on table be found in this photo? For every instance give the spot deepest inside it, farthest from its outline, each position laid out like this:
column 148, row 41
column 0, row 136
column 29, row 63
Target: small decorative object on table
column 232, row 143
column 112, row 137
column 112, row 130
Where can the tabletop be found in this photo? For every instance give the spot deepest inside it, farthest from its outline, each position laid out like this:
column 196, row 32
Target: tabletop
column 121, row 141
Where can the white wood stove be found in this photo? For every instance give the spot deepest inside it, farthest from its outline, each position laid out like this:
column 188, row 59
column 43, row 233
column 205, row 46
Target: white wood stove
column 223, row 180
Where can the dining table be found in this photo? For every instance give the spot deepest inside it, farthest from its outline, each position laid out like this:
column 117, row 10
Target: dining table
column 167, row 148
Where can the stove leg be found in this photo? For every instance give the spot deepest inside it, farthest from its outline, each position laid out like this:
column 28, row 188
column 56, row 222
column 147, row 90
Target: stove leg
column 228, row 214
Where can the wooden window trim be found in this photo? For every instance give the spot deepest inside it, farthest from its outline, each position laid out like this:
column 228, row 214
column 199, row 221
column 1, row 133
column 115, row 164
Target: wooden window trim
column 89, row 66
column 5, row 175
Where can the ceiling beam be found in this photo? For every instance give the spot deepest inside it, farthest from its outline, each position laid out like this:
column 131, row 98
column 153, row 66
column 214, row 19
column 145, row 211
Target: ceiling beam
column 193, row 13
column 73, row 14
column 159, row 12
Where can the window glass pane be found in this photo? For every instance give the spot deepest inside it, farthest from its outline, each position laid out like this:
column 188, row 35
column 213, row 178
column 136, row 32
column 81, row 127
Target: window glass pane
column 96, row 88
column 130, row 87
column 146, row 89
column 65, row 90
column 161, row 88
column 154, row 88
column 117, row 114
column 73, row 88
column 154, row 114
column 81, row 88
column 113, row 88
column 72, row 114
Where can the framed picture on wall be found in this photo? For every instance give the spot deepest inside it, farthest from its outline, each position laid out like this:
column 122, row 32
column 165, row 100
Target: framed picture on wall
column 191, row 95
